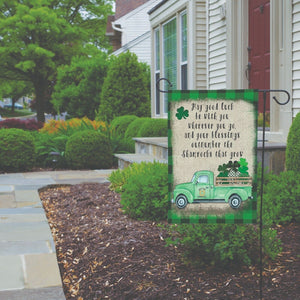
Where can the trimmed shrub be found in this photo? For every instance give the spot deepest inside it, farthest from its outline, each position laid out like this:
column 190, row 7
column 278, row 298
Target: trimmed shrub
column 119, row 124
column 134, row 127
column 132, row 131
column 293, row 146
column 17, row 150
column 281, row 198
column 222, row 245
column 154, row 128
column 28, row 124
column 89, row 149
column 145, row 192
column 119, row 177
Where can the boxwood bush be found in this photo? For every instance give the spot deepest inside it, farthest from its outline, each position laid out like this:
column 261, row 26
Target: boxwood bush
column 144, row 190
column 281, row 199
column 17, row 150
column 120, row 144
column 154, row 128
column 120, row 176
column 222, row 245
column 89, row 149
column 293, row 146
column 134, row 127
column 119, row 124
column 132, row 131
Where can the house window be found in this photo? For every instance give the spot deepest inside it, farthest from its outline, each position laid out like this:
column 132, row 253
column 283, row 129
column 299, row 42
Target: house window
column 183, row 49
column 157, row 69
column 169, row 56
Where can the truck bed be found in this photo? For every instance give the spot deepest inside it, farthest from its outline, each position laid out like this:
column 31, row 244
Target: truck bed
column 234, row 181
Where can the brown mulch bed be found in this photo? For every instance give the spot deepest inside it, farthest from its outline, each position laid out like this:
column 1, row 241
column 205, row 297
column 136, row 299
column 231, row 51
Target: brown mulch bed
column 103, row 254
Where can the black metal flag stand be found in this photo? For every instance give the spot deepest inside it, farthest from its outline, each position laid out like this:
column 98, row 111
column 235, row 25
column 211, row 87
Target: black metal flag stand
column 265, row 92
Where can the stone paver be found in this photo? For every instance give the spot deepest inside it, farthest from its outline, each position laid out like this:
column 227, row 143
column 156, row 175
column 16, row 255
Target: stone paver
column 7, row 201
column 28, row 264
column 11, row 272
column 50, row 293
column 41, row 270
column 25, row 196
column 6, row 188
column 25, row 231
column 25, row 247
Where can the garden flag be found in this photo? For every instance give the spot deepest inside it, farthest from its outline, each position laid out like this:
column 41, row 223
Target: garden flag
column 212, row 156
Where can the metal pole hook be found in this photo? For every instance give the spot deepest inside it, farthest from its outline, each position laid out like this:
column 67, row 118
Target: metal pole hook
column 278, row 91
column 157, row 85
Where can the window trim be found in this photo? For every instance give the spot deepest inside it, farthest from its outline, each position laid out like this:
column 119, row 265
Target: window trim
column 157, row 69
column 181, row 61
column 165, row 97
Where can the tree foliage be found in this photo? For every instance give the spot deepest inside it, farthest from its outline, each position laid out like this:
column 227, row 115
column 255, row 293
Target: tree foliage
column 15, row 90
column 37, row 36
column 79, row 85
column 126, row 89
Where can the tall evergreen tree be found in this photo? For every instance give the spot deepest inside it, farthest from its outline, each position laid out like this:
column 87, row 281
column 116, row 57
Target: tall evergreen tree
column 126, row 88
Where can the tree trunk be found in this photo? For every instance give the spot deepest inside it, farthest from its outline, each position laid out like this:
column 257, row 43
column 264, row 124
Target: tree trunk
column 40, row 92
column 13, row 101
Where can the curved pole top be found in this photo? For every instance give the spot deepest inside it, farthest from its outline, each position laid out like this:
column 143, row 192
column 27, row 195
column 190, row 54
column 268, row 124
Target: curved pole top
column 277, row 91
column 259, row 90
column 158, row 82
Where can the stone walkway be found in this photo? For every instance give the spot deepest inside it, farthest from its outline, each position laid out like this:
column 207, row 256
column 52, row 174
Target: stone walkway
column 28, row 265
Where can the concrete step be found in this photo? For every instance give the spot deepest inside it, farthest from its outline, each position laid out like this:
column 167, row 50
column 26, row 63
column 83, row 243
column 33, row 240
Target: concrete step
column 154, row 146
column 124, row 160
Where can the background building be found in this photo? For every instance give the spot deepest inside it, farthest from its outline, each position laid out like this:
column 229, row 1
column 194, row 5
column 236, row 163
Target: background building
column 218, row 44
column 129, row 28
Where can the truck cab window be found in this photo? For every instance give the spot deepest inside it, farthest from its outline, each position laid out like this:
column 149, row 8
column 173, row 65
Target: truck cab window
column 203, row 179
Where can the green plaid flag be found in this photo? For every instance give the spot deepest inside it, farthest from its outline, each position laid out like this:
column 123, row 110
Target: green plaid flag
column 212, row 156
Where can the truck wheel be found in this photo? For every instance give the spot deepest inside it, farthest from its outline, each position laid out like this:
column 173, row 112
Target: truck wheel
column 181, row 201
column 235, row 201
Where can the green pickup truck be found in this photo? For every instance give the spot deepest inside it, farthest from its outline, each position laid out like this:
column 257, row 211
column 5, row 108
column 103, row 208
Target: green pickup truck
column 232, row 190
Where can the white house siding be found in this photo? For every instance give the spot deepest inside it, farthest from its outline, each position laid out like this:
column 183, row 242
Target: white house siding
column 296, row 57
column 216, row 52
column 200, row 45
column 140, row 46
column 134, row 26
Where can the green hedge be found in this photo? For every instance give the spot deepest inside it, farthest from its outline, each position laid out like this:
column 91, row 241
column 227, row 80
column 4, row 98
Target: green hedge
column 17, row 150
column 154, row 128
column 134, row 127
column 222, row 245
column 119, row 124
column 281, row 199
column 132, row 132
column 144, row 189
column 89, row 149
column 293, row 146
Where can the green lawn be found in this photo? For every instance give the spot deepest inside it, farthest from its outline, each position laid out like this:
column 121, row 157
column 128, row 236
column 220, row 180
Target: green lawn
column 7, row 113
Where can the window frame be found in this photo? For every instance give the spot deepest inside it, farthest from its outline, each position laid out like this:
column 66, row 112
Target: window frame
column 159, row 33
column 157, row 69
column 182, row 62
column 165, row 98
